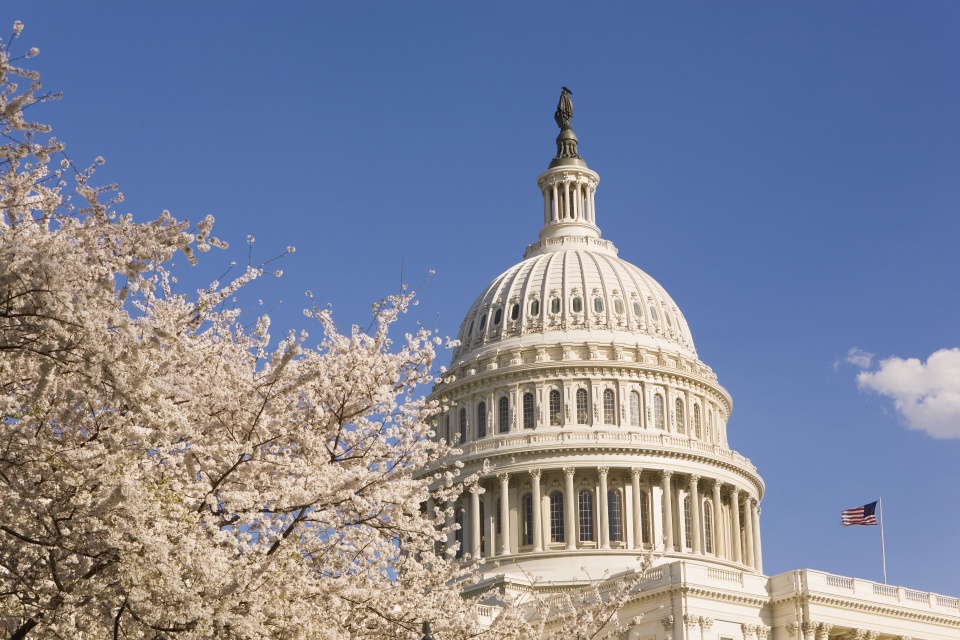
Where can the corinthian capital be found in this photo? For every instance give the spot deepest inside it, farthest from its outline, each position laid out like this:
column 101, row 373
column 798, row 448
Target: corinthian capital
column 792, row 628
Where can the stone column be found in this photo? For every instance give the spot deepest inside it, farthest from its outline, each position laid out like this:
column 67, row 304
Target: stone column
column 695, row 513
column 475, row 492
column 667, row 510
column 448, row 522
column 604, row 509
column 537, row 519
column 809, row 630
column 569, row 509
column 748, row 532
column 735, row 525
column 717, row 522
column 504, row 514
column 637, row 520
column 823, row 630
column 757, row 556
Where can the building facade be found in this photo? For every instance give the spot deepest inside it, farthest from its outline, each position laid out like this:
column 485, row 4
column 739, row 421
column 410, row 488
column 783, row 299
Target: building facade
column 599, row 437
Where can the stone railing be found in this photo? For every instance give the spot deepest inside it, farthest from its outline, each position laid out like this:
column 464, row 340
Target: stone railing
column 828, row 583
column 563, row 438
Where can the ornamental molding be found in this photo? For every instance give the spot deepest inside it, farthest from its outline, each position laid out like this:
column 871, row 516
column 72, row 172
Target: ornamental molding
column 860, row 605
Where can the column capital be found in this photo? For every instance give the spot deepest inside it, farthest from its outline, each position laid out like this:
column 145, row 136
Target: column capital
column 476, row 489
column 706, row 623
column 792, row 628
column 762, row 631
column 569, row 471
column 536, row 473
column 666, row 473
column 694, row 478
column 716, row 482
column 808, row 627
column 603, row 470
column 503, row 477
column 667, row 622
column 635, row 471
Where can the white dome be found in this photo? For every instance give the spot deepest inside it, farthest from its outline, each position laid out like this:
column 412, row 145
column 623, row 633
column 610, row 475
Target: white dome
column 574, row 296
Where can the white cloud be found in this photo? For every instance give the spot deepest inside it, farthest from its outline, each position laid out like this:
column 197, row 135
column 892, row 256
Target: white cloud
column 926, row 395
column 859, row 357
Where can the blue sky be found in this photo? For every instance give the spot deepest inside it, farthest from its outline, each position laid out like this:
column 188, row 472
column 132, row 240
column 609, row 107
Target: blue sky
column 789, row 172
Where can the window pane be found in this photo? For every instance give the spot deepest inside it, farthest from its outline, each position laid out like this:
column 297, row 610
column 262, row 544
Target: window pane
column 555, row 305
column 585, row 502
column 482, row 420
column 609, row 407
column 497, row 316
column 483, row 322
column 582, row 414
column 616, row 517
column 463, row 425
column 577, row 305
column 515, row 312
column 504, row 415
column 678, row 412
column 555, row 410
column 687, row 523
column 634, row 409
column 708, row 526
column 618, row 305
column 535, row 308
column 658, row 411
column 644, row 518
column 556, row 517
column 528, row 411
column 528, row 519
column 697, row 431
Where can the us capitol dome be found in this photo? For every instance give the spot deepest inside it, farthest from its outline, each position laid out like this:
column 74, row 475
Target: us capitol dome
column 598, row 436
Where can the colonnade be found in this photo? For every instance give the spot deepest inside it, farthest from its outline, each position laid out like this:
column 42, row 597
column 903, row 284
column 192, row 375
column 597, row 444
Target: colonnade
column 518, row 512
column 569, row 199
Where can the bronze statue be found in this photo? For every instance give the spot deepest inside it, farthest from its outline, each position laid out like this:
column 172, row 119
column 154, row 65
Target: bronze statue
column 564, row 111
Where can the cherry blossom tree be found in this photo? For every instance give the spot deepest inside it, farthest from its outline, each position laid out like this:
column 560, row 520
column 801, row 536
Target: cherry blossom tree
column 167, row 473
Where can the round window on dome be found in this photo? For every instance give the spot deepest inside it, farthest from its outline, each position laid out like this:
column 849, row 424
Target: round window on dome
column 598, row 304
column 577, row 305
column 618, row 306
column 653, row 314
column 483, row 322
column 515, row 312
column 637, row 309
column 497, row 317
column 535, row 308
column 554, row 305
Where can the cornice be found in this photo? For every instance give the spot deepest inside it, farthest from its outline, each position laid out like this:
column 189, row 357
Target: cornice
column 870, row 607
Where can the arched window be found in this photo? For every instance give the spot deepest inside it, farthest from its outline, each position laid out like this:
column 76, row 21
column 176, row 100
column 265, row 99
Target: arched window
column 535, row 308
column 658, row 411
column 637, row 309
column 653, row 314
column 515, row 311
column 527, row 503
column 482, row 420
column 496, row 516
column 497, row 317
column 585, row 512
column 458, row 519
column 556, row 517
column 554, row 305
column 577, row 304
column 556, row 414
column 463, row 425
column 678, row 412
column 503, row 414
column 615, row 512
column 645, row 534
column 598, row 304
column 609, row 407
column 618, row 306
column 697, row 431
column 709, row 425
column 634, row 409
column 582, row 409
column 708, row 526
column 528, row 410
column 687, row 523
column 483, row 322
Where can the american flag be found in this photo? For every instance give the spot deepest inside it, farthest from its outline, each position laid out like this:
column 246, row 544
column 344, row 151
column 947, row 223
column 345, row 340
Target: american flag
column 867, row 514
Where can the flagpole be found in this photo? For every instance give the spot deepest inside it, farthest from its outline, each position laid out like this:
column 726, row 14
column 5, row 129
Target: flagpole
column 883, row 552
